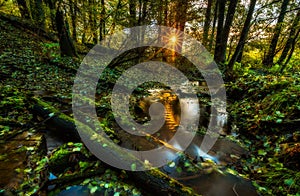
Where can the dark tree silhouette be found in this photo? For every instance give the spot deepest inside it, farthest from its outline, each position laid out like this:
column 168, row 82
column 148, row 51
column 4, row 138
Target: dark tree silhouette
column 291, row 39
column 243, row 36
column 223, row 31
column 268, row 60
column 66, row 45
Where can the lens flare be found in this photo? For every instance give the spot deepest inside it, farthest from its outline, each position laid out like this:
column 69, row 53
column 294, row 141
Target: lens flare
column 173, row 39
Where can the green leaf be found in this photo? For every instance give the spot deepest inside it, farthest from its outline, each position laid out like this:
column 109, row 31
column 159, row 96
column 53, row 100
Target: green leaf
column 262, row 152
column 289, row 181
column 30, row 148
column 279, row 120
column 172, row 164
column 133, row 167
column 93, row 189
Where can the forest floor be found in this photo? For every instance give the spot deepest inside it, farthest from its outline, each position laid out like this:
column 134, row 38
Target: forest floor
column 265, row 115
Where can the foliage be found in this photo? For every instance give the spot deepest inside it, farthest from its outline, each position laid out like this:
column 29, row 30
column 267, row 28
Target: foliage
column 265, row 109
column 269, row 100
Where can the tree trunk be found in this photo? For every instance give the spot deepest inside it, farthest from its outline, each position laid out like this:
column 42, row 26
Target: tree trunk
column 221, row 13
column 144, row 12
column 212, row 35
column 221, row 49
column 102, row 31
column 37, row 13
column 85, row 24
column 132, row 12
column 291, row 51
column 291, row 39
column 166, row 11
column 243, row 37
column 67, row 47
column 92, row 21
column 181, row 7
column 268, row 60
column 23, row 9
column 51, row 6
column 207, row 22
column 73, row 11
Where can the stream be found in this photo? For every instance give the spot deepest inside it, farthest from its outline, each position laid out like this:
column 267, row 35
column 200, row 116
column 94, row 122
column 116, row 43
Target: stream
column 183, row 114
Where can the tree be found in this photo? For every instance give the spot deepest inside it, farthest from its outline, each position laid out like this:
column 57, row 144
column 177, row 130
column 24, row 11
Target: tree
column 132, row 12
column 38, row 13
column 223, row 30
column 211, row 39
column 268, row 60
column 51, row 6
column 143, row 7
column 23, row 9
column 67, row 47
column 102, row 30
column 73, row 13
column 180, row 10
column 243, row 36
column 207, row 22
column 92, row 20
column 291, row 39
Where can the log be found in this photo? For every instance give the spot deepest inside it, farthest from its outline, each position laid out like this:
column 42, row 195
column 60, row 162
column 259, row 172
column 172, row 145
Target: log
column 56, row 121
column 155, row 180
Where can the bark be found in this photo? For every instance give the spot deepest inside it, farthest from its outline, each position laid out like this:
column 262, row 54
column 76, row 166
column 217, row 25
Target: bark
column 144, row 12
column 143, row 6
column 239, row 58
column 166, row 11
column 268, row 60
column 221, row 12
column 243, row 36
column 212, row 35
column 102, row 31
column 132, row 12
column 67, row 47
column 38, row 13
column 92, row 21
column 207, row 22
column 59, row 122
column 290, row 40
column 23, row 9
column 85, row 24
column 115, row 17
column 181, row 7
column 73, row 12
column 51, row 5
column 222, row 46
column 291, row 51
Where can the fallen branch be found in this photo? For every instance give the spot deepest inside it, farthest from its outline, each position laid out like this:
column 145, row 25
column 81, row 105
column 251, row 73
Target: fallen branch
column 156, row 180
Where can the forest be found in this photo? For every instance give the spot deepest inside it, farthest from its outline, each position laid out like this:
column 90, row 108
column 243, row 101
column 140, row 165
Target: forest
column 150, row 97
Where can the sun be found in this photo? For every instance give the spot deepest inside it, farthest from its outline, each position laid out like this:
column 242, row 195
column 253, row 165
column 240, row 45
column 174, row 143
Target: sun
column 173, row 39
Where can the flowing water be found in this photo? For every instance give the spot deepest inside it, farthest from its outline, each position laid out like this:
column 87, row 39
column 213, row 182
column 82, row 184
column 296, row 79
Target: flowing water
column 183, row 114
